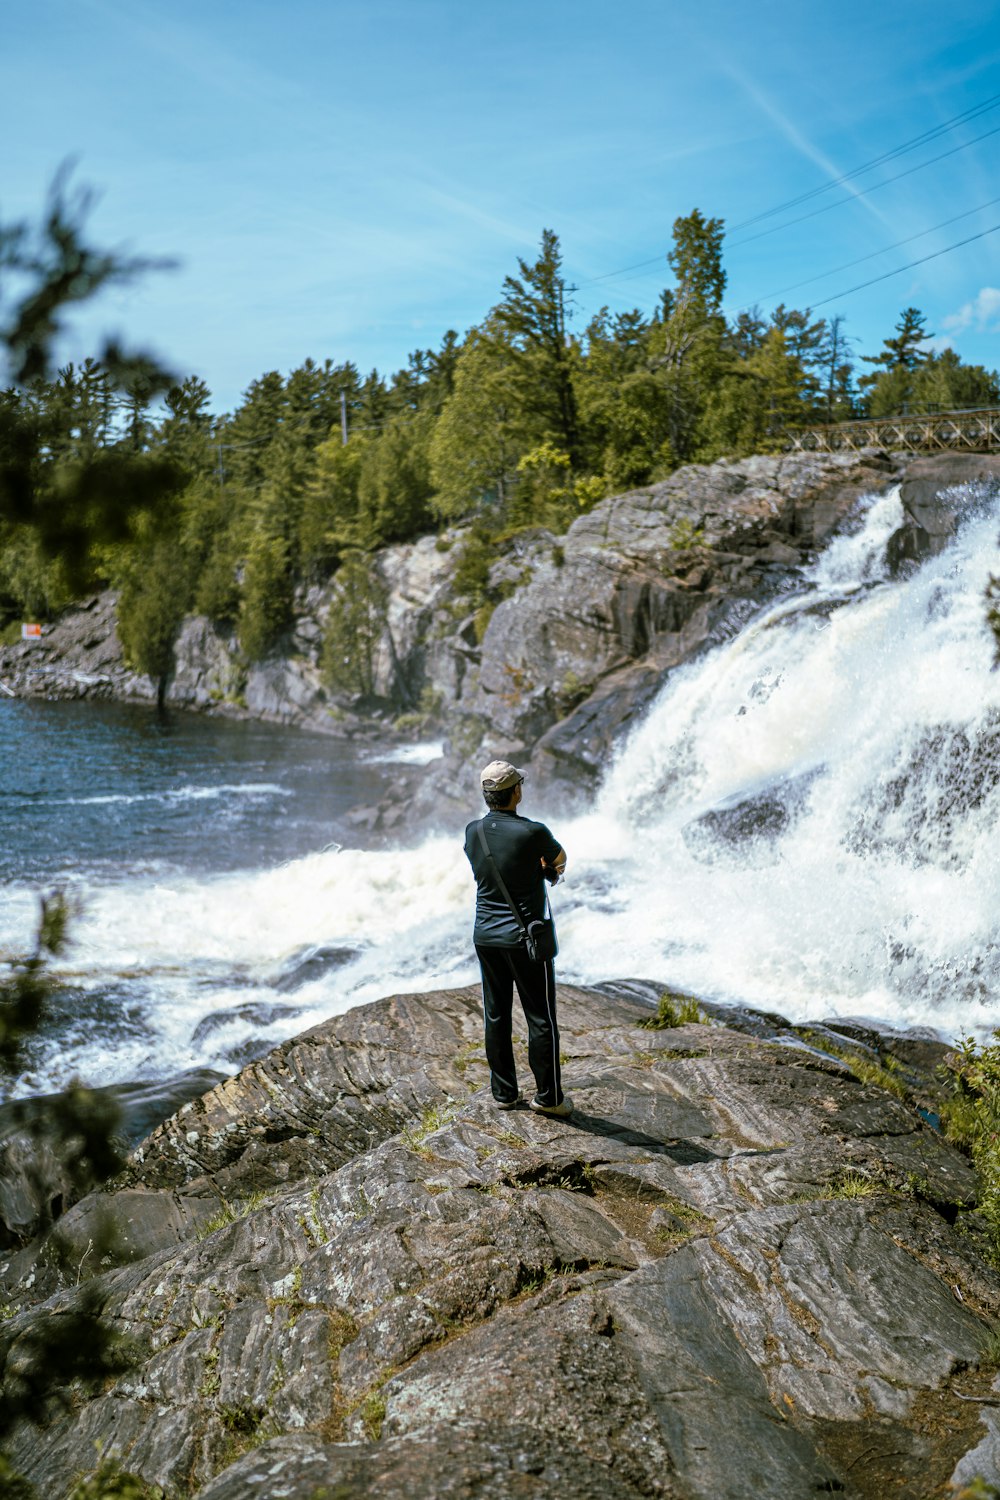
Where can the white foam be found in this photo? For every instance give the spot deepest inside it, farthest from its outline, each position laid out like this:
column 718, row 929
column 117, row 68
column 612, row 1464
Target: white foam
column 178, row 794
column 878, row 895
column 408, row 755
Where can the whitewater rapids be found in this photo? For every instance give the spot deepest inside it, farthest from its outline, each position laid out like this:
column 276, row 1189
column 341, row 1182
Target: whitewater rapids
column 804, row 821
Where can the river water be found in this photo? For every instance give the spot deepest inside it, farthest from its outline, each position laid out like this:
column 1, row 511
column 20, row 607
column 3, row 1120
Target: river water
column 804, row 821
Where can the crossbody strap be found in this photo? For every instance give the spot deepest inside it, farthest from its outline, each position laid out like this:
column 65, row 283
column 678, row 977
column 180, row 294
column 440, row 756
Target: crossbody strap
column 481, row 829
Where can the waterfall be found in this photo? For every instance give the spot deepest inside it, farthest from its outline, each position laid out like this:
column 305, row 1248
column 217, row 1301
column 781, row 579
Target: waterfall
column 804, row 821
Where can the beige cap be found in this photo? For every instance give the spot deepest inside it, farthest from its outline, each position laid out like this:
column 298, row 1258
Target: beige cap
column 499, row 775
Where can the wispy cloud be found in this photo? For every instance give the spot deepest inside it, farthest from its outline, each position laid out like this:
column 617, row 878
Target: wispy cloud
column 464, row 208
column 170, row 41
column 796, row 138
column 981, row 314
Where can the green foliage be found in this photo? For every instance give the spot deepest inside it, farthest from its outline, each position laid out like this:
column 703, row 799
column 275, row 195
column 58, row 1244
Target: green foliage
column 520, row 423
column 675, row 1010
column 435, row 1117
column 154, row 594
column 971, row 1117
column 573, row 689
column 355, row 624
column 331, row 523
column 426, row 713
column 13, row 1486
column 532, row 314
column 977, row 1489
column 230, row 1213
column 471, row 575
column 218, row 590
column 394, row 484
column 883, row 1074
column 685, row 536
column 373, row 1410
column 484, row 428
column 851, row 1184
column 26, row 984
column 266, row 607
column 109, row 1481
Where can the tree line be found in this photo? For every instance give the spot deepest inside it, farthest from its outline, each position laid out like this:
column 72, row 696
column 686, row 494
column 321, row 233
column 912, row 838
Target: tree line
column 527, row 420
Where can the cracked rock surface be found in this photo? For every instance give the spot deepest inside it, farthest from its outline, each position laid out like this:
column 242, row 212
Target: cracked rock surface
column 733, row 1272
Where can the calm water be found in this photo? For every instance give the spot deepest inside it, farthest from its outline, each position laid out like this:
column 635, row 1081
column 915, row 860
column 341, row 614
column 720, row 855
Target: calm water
column 97, row 788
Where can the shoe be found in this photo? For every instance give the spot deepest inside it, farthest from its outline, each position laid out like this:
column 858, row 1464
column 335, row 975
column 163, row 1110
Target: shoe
column 560, row 1110
column 506, row 1103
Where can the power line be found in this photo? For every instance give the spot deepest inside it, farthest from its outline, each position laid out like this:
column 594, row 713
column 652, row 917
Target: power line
column 899, row 269
column 862, row 192
column 877, row 161
column 896, row 151
column 835, row 270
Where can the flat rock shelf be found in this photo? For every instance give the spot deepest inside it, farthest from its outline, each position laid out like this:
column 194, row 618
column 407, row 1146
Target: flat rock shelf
column 733, row 1273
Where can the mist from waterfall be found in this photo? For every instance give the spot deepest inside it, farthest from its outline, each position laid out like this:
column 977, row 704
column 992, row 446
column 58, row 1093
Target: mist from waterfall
column 803, row 821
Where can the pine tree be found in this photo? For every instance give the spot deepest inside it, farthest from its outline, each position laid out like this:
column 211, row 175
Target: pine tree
column 889, row 388
column 485, row 427
column 532, row 315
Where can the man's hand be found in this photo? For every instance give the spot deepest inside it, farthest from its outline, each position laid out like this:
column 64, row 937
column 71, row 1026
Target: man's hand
column 553, row 872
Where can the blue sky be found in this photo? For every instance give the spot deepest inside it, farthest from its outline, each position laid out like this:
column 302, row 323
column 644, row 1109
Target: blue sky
column 348, row 181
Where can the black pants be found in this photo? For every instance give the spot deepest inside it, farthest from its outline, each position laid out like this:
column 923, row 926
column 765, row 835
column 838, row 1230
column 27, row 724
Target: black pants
column 503, row 968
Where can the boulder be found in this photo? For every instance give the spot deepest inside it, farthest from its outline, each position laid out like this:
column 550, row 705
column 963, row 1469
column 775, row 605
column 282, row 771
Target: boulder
column 643, row 582
column 932, row 509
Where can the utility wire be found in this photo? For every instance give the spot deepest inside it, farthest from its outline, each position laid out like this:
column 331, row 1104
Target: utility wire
column 980, row 109
column 862, row 192
column 899, row 269
column 835, row 270
column 877, row 161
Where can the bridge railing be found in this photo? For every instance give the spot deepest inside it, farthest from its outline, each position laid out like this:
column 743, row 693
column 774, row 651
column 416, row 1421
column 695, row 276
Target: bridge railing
column 976, row 431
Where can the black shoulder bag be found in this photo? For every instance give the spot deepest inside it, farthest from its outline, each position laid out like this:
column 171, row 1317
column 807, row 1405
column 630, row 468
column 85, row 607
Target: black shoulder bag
column 540, row 935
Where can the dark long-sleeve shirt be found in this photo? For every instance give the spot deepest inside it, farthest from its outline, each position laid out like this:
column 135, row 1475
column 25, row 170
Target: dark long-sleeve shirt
column 518, row 845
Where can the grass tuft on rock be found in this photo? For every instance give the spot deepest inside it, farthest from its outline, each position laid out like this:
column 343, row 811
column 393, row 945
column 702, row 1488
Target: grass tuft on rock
column 229, row 1213
column 433, row 1118
column 675, row 1010
column 852, row 1184
column 373, row 1414
column 882, row 1075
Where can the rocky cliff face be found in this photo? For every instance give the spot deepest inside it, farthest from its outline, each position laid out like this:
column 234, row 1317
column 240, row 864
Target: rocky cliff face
column 592, row 622
column 733, row 1273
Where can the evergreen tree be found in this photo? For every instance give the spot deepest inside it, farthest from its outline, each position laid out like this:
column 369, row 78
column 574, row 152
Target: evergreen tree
column 484, row 428
column 943, row 383
column 186, row 432
column 394, row 484
column 889, row 388
column 330, row 523
column 837, row 373
column 355, row 624
column 266, row 606
column 688, row 340
column 532, row 316
column 696, row 261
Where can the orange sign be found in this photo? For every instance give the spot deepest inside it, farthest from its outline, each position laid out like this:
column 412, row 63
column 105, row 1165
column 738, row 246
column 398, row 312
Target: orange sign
column 31, row 632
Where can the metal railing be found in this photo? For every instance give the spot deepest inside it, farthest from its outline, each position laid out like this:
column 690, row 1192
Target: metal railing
column 946, row 431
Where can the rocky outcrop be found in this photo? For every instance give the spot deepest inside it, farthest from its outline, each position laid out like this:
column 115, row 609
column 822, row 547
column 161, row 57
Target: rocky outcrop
column 641, row 583
column 733, row 1273
column 79, row 656
column 587, row 626
column 932, row 508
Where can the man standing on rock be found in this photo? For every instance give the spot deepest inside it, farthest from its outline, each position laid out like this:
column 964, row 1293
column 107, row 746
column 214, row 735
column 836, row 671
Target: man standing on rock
column 511, row 858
